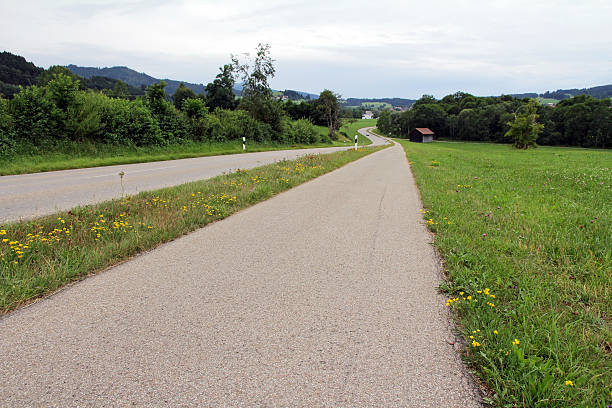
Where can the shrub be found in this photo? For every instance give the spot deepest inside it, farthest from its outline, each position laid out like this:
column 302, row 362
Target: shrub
column 7, row 134
column 33, row 117
column 228, row 125
column 85, row 116
column 127, row 122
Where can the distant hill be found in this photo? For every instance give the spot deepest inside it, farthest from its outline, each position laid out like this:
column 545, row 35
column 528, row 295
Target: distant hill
column 599, row 92
column 15, row 71
column 395, row 102
column 132, row 77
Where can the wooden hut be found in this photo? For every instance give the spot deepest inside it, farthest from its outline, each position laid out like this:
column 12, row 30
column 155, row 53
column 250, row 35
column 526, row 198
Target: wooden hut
column 421, row 135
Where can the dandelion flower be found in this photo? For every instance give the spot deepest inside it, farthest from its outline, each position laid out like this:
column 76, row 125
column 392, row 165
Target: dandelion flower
column 569, row 383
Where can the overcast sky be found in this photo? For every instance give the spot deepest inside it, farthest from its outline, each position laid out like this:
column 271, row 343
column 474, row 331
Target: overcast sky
column 381, row 48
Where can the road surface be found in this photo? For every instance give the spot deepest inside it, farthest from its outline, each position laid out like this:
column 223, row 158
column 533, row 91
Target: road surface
column 324, row 295
column 30, row 195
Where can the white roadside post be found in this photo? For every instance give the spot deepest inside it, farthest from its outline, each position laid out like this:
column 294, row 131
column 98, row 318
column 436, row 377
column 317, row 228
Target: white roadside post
column 243, row 143
column 355, row 142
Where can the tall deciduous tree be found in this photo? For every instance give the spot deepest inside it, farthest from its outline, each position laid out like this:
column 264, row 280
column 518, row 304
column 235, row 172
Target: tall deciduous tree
column 220, row 92
column 182, row 93
column 255, row 73
column 328, row 105
column 524, row 129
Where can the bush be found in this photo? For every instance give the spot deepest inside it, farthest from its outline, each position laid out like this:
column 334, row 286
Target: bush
column 126, row 122
column 7, row 134
column 303, row 131
column 85, row 116
column 33, row 118
column 228, row 125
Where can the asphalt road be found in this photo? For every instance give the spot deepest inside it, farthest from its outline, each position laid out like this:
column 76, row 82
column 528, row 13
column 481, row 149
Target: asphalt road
column 324, row 295
column 29, row 195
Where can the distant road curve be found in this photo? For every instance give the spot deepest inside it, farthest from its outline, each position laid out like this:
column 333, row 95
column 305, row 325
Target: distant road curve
column 30, row 195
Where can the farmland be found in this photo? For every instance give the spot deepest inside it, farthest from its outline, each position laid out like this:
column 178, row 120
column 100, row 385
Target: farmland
column 526, row 237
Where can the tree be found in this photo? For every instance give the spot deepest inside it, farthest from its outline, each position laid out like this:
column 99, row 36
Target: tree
column 182, row 93
column 428, row 115
column 256, row 92
column 156, row 98
column 120, row 90
column 524, row 129
column 220, row 92
column 49, row 74
column 255, row 73
column 328, row 105
column 384, row 122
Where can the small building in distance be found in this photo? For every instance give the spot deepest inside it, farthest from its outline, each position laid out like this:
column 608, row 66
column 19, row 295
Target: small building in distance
column 421, row 135
column 367, row 115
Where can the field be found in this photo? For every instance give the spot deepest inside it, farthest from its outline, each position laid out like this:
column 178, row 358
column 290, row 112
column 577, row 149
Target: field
column 350, row 129
column 81, row 155
column 43, row 254
column 526, row 237
column 544, row 101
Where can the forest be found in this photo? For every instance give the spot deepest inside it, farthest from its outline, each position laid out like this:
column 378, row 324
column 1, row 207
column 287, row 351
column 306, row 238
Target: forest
column 578, row 121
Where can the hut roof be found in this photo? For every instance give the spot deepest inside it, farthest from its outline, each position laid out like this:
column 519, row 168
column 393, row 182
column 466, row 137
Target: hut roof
column 424, row 131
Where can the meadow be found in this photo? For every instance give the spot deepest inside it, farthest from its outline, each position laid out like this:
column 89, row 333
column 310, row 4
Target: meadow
column 39, row 256
column 351, row 129
column 526, row 238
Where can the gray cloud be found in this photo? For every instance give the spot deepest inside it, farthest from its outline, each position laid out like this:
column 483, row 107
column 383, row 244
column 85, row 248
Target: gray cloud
column 357, row 48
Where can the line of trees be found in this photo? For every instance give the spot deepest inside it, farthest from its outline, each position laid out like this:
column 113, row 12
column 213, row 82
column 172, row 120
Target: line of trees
column 42, row 117
column 578, row 121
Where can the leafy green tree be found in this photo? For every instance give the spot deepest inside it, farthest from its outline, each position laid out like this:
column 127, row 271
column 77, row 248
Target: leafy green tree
column 220, row 92
column 182, row 93
column 255, row 73
column 156, row 97
column 62, row 90
column 196, row 112
column 49, row 74
column 524, row 129
column 32, row 113
column 194, row 108
column 328, row 105
column 428, row 115
column 383, row 123
column 256, row 92
column 7, row 134
column 121, row 90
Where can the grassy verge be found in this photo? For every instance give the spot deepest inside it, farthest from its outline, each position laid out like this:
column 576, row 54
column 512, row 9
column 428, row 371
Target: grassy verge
column 41, row 255
column 351, row 129
column 347, row 132
column 527, row 241
column 93, row 155
column 378, row 132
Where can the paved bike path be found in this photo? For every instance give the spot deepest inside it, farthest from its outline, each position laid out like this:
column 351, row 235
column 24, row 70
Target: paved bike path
column 322, row 296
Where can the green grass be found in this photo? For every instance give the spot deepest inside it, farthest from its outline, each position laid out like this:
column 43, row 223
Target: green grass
column 378, row 132
column 544, row 101
column 41, row 255
column 81, row 155
column 533, row 229
column 351, row 130
column 377, row 105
